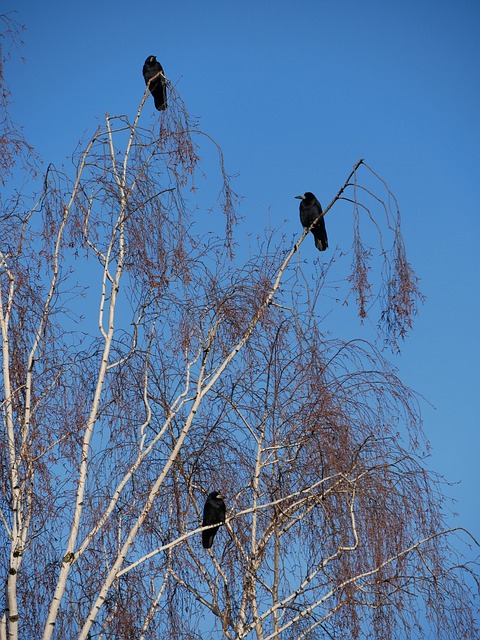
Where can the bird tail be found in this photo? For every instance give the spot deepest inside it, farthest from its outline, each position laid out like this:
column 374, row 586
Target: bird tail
column 160, row 102
column 207, row 539
column 321, row 243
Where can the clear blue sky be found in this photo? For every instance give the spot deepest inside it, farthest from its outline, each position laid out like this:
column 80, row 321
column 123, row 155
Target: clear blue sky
column 295, row 93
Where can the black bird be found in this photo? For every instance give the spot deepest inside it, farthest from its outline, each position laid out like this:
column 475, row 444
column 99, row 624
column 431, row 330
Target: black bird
column 157, row 87
column 213, row 513
column 310, row 209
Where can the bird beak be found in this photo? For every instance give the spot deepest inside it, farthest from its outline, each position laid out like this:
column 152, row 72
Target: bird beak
column 300, row 197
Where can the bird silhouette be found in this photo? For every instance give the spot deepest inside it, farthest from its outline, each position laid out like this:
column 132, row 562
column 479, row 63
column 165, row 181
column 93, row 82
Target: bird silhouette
column 152, row 69
column 310, row 210
column 213, row 513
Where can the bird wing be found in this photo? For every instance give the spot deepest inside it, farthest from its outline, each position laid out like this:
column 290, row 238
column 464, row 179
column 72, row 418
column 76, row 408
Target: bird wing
column 320, row 234
column 208, row 514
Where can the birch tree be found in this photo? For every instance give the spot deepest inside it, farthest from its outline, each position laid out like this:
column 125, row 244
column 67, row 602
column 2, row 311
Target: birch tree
column 144, row 365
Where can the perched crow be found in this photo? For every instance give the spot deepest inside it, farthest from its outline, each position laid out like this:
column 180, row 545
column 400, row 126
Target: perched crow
column 310, row 209
column 152, row 68
column 213, row 513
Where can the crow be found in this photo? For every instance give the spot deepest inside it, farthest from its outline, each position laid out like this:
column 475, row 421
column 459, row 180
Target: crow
column 157, row 87
column 310, row 209
column 213, row 513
